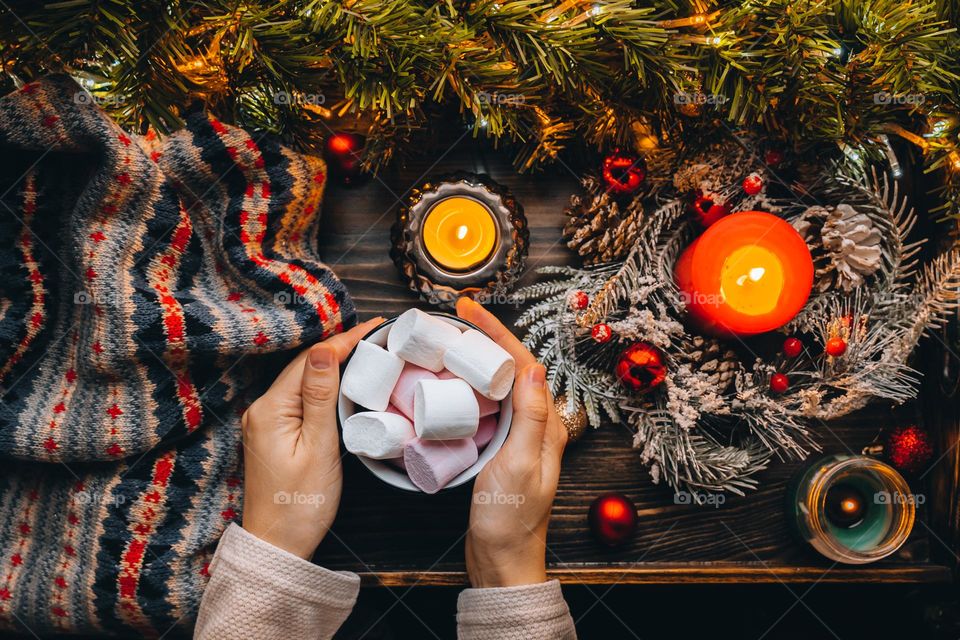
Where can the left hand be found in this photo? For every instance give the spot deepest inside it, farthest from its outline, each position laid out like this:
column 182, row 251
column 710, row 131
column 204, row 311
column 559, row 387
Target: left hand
column 292, row 472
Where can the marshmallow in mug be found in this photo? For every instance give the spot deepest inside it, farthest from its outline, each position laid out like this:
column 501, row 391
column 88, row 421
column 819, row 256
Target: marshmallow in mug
column 488, row 407
column 403, row 391
column 370, row 376
column 432, row 464
column 445, row 410
column 421, row 339
column 482, row 363
column 378, row 435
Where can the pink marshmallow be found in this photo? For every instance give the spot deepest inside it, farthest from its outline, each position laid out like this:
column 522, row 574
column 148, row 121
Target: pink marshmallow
column 485, row 431
column 392, row 409
column 396, row 462
column 403, row 391
column 488, row 407
column 431, row 464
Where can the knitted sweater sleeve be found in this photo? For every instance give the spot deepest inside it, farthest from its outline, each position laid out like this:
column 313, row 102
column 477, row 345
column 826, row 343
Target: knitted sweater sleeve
column 529, row 612
column 259, row 591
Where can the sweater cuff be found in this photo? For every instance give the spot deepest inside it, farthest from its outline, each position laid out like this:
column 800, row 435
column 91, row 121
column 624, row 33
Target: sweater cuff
column 280, row 570
column 530, row 611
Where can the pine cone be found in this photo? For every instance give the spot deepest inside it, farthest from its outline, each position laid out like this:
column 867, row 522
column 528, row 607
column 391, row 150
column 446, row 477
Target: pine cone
column 597, row 229
column 709, row 358
column 845, row 244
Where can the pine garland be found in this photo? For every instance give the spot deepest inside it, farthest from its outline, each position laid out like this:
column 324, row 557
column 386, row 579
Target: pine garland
column 713, row 423
column 541, row 75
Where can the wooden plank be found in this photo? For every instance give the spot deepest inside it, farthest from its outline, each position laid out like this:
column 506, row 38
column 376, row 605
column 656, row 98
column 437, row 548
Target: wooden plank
column 714, row 573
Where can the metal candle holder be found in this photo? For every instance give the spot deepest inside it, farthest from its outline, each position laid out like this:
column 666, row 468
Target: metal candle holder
column 489, row 281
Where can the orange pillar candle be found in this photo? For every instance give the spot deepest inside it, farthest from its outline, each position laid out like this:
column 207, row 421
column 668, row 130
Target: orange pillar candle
column 749, row 273
column 459, row 233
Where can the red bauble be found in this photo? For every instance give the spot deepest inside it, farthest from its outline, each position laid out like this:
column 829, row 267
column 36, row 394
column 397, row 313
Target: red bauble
column 613, row 519
column 601, row 332
column 641, row 367
column 578, row 300
column 836, row 347
column 707, row 211
column 623, row 173
column 343, row 152
column 752, row 184
column 779, row 383
column 909, row 449
column 774, row 157
column 792, row 347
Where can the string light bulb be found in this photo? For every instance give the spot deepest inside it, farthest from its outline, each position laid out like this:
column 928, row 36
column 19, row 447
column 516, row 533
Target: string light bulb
column 690, row 21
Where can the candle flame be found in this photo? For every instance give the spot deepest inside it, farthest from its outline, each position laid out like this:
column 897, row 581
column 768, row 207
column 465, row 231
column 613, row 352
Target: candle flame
column 756, row 273
column 462, row 232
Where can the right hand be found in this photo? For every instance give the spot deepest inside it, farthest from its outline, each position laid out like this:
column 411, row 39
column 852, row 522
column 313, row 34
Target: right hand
column 513, row 494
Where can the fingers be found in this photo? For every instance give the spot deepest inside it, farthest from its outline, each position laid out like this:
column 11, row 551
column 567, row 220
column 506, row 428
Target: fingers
column 289, row 380
column 475, row 313
column 531, row 412
column 321, row 380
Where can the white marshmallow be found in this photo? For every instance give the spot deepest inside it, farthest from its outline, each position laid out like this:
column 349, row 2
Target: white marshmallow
column 445, row 410
column 378, row 435
column 488, row 407
column 370, row 375
column 421, row 339
column 484, row 364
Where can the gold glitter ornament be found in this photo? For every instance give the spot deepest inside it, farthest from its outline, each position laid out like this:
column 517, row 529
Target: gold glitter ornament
column 574, row 422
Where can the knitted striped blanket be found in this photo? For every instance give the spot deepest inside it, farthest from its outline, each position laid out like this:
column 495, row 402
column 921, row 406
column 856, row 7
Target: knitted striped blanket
column 147, row 286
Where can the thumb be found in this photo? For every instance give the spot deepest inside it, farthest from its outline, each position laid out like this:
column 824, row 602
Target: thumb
column 530, row 412
column 319, row 387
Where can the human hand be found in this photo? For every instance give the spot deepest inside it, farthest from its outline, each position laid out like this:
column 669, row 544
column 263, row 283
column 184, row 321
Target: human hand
column 291, row 449
column 506, row 541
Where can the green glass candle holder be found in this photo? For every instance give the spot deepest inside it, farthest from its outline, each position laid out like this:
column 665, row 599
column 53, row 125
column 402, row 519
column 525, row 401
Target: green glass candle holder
column 851, row 509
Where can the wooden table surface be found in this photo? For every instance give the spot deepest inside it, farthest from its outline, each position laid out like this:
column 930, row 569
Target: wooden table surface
column 393, row 537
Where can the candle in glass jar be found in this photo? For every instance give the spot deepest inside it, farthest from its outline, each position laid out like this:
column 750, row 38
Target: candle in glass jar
column 459, row 233
column 749, row 273
column 846, row 505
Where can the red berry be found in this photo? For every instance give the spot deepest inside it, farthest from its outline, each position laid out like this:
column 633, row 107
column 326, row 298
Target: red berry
column 792, row 347
column 601, row 332
column 836, row 347
column 752, row 184
column 578, row 300
column 779, row 383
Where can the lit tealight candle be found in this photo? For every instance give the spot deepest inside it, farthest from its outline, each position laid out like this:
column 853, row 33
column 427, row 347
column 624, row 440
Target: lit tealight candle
column 459, row 233
column 749, row 273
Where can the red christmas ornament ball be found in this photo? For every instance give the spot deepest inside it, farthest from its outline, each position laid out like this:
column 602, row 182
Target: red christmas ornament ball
column 774, row 157
column 909, row 449
column 752, row 184
column 641, row 367
column 623, row 173
column 707, row 210
column 613, row 518
column 779, row 383
column 343, row 152
column 792, row 347
column 836, row 347
column 601, row 333
column 578, row 300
